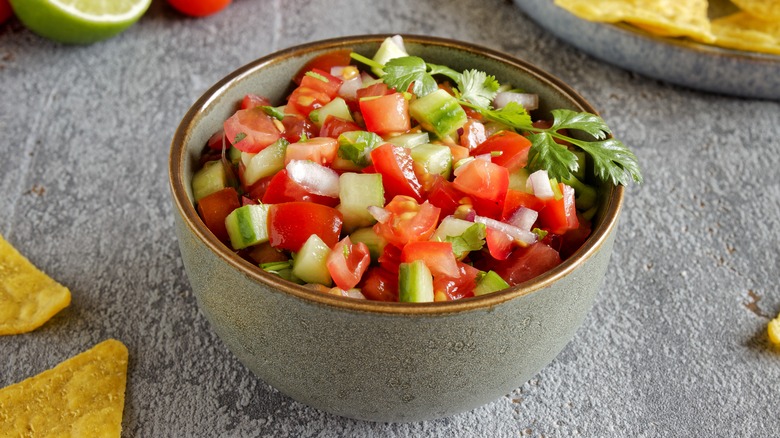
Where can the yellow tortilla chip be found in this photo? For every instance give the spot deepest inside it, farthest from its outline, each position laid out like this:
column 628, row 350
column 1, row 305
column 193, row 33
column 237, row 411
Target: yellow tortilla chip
column 745, row 32
column 83, row 396
column 28, row 297
column 661, row 17
column 763, row 9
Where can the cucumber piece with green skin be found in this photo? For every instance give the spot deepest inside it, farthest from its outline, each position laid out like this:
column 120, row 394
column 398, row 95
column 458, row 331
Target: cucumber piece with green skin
column 357, row 145
column 310, row 263
column 375, row 243
column 433, row 159
column 211, row 178
column 337, row 108
column 264, row 163
column 415, row 283
column 490, row 282
column 438, row 112
column 234, row 155
column 518, row 180
column 248, row 225
column 357, row 192
column 410, row 140
column 388, row 50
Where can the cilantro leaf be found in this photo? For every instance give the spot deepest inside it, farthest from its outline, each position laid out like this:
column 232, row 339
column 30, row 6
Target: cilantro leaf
column 472, row 239
column 401, row 72
column 356, row 145
column 477, row 87
column 513, row 114
column 613, row 161
column 275, row 112
column 590, row 123
column 546, row 154
column 240, row 136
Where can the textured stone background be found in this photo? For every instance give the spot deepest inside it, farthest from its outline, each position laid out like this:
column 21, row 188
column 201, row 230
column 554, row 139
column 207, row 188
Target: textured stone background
column 675, row 344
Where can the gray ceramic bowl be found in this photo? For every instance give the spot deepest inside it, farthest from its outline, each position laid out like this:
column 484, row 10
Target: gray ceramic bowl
column 372, row 360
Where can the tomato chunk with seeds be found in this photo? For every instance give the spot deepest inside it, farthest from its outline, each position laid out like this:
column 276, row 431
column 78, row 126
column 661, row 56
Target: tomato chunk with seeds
column 347, row 263
column 290, row 224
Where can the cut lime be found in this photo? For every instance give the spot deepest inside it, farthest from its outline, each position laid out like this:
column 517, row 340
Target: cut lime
column 79, row 21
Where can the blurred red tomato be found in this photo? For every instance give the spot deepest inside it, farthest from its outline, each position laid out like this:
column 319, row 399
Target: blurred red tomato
column 5, row 11
column 198, row 8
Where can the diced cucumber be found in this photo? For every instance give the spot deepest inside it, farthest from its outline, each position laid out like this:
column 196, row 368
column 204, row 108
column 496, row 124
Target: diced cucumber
column 233, row 155
column 415, row 283
column 266, row 162
column 357, row 192
column 310, row 263
column 409, row 140
column 211, row 178
column 450, row 226
column 375, row 243
column 388, row 50
column 585, row 196
column 438, row 112
column 336, row 108
column 490, row 282
column 465, row 236
column 433, row 159
column 518, row 180
column 582, row 163
column 248, row 225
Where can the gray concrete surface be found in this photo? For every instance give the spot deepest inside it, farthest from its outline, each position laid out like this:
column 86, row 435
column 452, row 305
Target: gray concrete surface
column 675, row 344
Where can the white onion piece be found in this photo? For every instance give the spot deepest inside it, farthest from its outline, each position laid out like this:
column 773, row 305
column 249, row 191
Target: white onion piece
column 348, row 88
column 529, row 101
column 523, row 237
column 353, row 293
column 539, row 182
column 380, row 214
column 523, row 218
column 484, row 157
column 314, row 177
column 399, row 41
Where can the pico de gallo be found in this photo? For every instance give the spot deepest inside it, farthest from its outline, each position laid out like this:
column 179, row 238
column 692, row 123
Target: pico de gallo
column 363, row 188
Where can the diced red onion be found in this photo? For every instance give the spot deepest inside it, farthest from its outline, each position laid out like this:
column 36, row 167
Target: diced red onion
column 529, row 101
column 524, row 237
column 539, row 182
column 314, row 177
column 379, row 213
column 523, row 218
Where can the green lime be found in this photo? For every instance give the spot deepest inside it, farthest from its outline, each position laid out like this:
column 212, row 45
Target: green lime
column 79, row 21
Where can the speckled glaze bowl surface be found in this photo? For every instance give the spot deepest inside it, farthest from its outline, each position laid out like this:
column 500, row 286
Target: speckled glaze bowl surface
column 369, row 360
column 674, row 60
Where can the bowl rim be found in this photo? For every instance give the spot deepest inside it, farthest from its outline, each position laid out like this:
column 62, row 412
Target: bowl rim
column 191, row 219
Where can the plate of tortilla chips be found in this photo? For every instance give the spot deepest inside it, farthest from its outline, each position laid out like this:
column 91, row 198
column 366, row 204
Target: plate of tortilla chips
column 711, row 45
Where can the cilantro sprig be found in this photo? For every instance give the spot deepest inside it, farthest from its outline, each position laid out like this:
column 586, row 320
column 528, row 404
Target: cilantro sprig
column 612, row 159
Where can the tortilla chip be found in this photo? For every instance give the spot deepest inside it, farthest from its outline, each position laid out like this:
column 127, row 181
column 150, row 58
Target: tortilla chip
column 660, row 17
column 28, row 297
column 763, row 9
column 83, row 396
column 745, row 32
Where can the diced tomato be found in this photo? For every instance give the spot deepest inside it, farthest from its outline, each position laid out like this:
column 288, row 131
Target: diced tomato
column 487, row 183
column 217, row 140
column 458, row 287
column 323, row 81
column 297, row 126
column 574, row 238
column 334, row 126
column 251, row 130
column 257, row 190
column 373, row 90
column 214, row 208
column 386, row 114
column 321, row 150
column 397, row 168
column 512, row 146
column 458, row 152
column 325, row 62
column 264, row 253
column 445, row 196
column 253, row 100
column 304, row 100
column 473, row 134
column 526, row 263
column 437, row 256
column 347, row 263
column 408, row 221
column 380, row 284
column 559, row 215
column 515, row 199
column 283, row 189
column 499, row 244
column 390, row 258
column 291, row 223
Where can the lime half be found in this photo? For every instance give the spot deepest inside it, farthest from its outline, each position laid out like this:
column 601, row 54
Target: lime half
column 79, row 21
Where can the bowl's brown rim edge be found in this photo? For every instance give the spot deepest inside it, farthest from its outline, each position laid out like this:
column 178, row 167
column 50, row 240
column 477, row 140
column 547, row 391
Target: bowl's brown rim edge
column 192, row 221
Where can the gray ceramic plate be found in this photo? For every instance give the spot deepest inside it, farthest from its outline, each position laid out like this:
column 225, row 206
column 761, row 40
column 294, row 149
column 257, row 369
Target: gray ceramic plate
column 681, row 62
